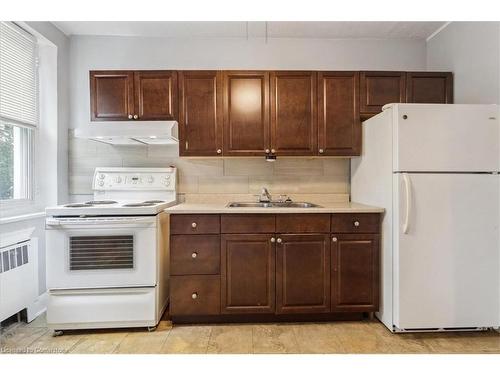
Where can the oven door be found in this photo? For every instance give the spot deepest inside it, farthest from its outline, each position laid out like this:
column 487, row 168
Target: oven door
column 101, row 252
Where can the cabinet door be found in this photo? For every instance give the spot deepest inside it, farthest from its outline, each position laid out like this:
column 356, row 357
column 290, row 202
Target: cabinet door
column 293, row 113
column 155, row 95
column 355, row 272
column 246, row 113
column 429, row 87
column 247, row 273
column 200, row 119
column 302, row 273
column 380, row 88
column 338, row 110
column 111, row 95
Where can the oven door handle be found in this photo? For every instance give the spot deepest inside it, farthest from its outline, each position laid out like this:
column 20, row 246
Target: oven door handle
column 108, row 223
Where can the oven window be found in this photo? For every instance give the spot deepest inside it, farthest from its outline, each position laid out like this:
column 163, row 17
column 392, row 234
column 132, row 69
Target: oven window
column 101, row 252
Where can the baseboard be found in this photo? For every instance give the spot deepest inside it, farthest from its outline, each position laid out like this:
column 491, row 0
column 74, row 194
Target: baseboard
column 38, row 307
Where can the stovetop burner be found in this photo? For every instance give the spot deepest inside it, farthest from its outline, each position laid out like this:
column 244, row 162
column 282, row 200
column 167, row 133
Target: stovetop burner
column 77, row 205
column 140, row 204
column 100, row 202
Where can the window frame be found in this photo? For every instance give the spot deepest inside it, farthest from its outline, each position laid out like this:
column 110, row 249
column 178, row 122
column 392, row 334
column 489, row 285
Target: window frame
column 28, row 145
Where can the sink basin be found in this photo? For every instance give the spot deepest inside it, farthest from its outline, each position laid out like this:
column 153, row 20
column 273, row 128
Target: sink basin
column 272, row 204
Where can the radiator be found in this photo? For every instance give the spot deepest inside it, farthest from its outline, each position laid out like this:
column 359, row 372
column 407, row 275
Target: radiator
column 18, row 277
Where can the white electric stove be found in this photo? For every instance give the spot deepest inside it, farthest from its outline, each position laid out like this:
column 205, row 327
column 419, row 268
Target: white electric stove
column 107, row 259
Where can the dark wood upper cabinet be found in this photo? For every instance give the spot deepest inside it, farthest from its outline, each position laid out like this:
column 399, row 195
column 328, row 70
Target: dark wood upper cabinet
column 257, row 113
column 133, row 95
column 111, row 95
column 380, row 88
column 247, row 273
column 293, row 113
column 302, row 273
column 200, row 115
column 429, row 87
column 355, row 272
column 155, row 95
column 339, row 126
column 246, row 113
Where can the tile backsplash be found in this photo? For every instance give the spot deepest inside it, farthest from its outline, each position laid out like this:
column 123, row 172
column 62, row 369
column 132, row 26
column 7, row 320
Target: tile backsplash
column 328, row 177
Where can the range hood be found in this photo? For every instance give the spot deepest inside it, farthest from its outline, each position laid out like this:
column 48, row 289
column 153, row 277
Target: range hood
column 131, row 132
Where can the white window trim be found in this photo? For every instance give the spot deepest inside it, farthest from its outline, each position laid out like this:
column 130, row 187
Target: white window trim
column 11, row 207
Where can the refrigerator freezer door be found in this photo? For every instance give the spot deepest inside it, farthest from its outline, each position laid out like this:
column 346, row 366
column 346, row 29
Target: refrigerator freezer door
column 440, row 137
column 446, row 264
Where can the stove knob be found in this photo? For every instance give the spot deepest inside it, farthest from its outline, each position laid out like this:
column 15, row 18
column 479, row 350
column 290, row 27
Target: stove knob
column 151, row 179
column 101, row 176
column 101, row 183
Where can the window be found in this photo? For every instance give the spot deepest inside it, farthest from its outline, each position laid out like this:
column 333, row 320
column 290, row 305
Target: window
column 18, row 111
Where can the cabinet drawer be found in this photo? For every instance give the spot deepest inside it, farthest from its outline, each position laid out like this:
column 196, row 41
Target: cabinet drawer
column 193, row 224
column 195, row 255
column 303, row 223
column 195, row 295
column 258, row 223
column 355, row 223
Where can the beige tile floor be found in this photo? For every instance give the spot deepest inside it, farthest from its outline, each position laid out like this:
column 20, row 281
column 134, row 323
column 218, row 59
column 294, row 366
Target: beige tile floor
column 335, row 337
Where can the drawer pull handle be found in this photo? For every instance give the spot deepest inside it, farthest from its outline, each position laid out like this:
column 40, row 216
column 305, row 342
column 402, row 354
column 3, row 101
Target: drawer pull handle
column 356, row 223
column 194, row 295
column 273, row 239
column 279, row 240
column 194, row 225
column 334, row 239
column 194, row 255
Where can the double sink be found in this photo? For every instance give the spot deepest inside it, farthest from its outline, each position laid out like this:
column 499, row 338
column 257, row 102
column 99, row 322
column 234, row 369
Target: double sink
column 272, row 204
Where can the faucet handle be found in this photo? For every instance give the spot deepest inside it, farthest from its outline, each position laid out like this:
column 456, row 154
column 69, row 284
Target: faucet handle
column 283, row 198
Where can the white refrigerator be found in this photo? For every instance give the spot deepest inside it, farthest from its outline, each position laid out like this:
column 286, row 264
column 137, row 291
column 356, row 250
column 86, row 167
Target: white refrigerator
column 434, row 168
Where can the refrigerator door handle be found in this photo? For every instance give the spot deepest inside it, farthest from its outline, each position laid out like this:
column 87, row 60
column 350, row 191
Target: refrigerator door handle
column 407, row 184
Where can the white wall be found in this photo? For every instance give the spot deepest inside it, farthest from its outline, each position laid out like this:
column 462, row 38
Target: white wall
column 61, row 42
column 88, row 53
column 471, row 51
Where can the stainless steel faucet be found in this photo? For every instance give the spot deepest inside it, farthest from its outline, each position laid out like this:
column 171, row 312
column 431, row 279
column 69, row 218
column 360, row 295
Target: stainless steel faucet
column 265, row 196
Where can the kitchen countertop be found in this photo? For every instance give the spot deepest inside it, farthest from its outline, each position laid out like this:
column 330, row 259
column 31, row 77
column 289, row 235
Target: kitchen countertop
column 220, row 208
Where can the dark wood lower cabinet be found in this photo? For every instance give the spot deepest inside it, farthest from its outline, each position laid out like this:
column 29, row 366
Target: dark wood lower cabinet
column 355, row 272
column 195, row 295
column 265, row 267
column 247, row 273
column 303, row 273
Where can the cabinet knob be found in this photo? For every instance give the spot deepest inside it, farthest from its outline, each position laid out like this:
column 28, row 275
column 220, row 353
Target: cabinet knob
column 267, row 151
column 321, row 150
column 273, row 151
column 334, row 239
column 219, row 151
column 273, row 239
column 130, row 117
column 194, row 295
column 194, row 225
column 194, row 255
column 356, row 223
column 279, row 240
column 136, row 117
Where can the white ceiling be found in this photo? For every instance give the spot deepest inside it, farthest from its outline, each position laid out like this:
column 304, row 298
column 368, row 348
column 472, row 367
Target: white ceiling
column 180, row 29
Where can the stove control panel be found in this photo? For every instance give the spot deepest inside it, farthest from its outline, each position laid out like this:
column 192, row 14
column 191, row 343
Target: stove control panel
column 135, row 179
